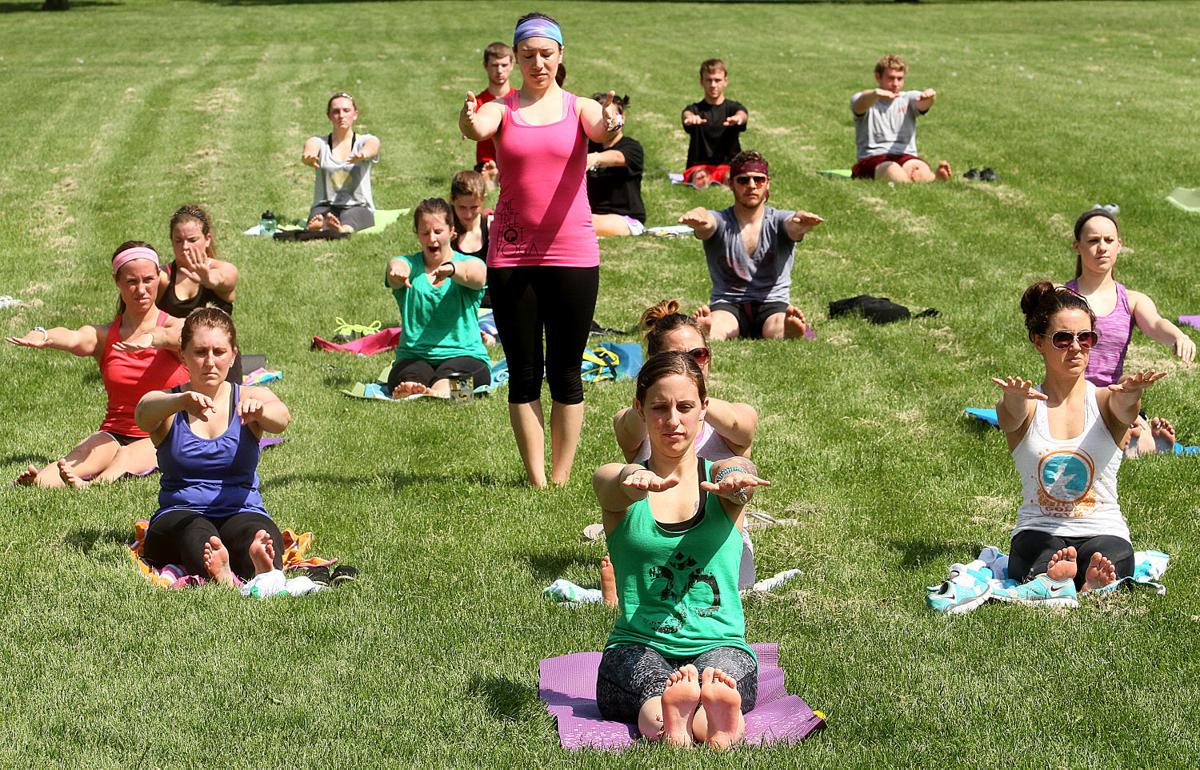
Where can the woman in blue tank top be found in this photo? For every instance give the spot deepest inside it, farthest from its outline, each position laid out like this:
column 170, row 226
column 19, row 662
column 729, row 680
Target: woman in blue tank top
column 210, row 515
column 677, row 662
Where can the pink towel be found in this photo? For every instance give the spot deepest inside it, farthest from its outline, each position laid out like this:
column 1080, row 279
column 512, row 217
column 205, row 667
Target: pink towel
column 384, row 339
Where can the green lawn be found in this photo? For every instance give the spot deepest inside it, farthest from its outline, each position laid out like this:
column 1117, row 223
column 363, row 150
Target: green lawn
column 117, row 113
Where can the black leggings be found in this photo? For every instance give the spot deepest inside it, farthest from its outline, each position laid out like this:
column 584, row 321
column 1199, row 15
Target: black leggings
column 178, row 537
column 632, row 674
column 561, row 300
column 427, row 372
column 1032, row 549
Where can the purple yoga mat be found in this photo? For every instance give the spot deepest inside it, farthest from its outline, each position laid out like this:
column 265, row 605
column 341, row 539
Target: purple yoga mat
column 568, row 686
column 1190, row 320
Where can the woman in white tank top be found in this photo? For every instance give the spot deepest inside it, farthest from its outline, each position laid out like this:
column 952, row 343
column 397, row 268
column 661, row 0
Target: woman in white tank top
column 1066, row 438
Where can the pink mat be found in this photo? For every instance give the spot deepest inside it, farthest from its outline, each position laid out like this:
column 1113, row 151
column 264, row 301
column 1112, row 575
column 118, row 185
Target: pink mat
column 1190, row 320
column 384, row 339
column 568, row 686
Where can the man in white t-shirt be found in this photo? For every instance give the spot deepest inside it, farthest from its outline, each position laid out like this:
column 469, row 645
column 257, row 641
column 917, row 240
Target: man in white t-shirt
column 885, row 128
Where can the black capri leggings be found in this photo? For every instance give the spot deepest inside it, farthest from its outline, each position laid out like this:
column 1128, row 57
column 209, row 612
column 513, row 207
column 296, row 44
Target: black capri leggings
column 178, row 537
column 632, row 674
column 1032, row 549
column 428, row 372
column 561, row 300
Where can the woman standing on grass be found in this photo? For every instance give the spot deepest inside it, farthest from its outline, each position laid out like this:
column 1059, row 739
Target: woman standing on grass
column 210, row 514
column 543, row 259
column 129, row 367
column 1065, row 437
column 1118, row 310
column 677, row 662
column 342, row 158
column 196, row 278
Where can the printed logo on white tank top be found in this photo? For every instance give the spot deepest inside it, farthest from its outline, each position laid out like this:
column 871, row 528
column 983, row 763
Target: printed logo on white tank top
column 1065, row 480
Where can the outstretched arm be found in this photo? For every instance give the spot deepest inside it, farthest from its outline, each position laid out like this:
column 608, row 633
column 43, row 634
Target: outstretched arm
column 478, row 122
column 156, row 406
column 398, row 273
column 690, row 119
column 368, row 151
column 734, row 422
column 262, row 411
column 868, row 98
column 471, row 273
column 1016, row 402
column 739, row 119
column 165, row 336
column 600, row 123
column 926, row 100
column 84, row 341
column 312, row 153
column 1125, row 399
column 798, row 225
column 702, row 222
column 605, row 159
column 1159, row 329
column 617, row 486
column 630, row 431
column 734, row 481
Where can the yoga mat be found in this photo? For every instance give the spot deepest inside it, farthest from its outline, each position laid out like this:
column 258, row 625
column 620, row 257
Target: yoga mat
column 377, row 391
column 384, row 218
column 384, row 339
column 1190, row 320
column 836, row 173
column 567, row 684
column 1185, row 198
column 986, row 415
column 669, row 231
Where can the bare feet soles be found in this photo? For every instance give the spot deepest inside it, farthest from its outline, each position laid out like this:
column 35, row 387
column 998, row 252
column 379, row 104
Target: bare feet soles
column 794, row 323
column 316, row 222
column 723, row 707
column 943, row 171
column 703, row 316
column 679, row 703
column 608, row 582
column 406, row 389
column 67, row 474
column 1100, row 573
column 27, row 477
column 216, row 561
column 700, row 179
column 1062, row 564
column 262, row 552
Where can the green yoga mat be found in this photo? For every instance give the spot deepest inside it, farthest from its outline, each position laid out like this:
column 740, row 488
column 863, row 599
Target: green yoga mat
column 836, row 173
column 1185, row 198
column 384, row 218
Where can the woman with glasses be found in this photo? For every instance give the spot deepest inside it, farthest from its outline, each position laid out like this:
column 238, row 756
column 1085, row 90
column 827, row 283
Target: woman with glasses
column 1065, row 436
column 342, row 159
column 1118, row 310
column 750, row 247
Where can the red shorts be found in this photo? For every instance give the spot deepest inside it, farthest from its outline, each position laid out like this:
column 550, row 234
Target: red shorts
column 716, row 174
column 865, row 168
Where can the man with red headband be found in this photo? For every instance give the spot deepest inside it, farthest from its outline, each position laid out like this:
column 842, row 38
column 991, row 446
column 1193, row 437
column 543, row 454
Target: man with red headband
column 750, row 248
column 885, row 128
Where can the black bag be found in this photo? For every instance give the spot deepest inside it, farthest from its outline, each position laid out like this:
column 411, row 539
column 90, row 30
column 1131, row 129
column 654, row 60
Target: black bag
column 877, row 310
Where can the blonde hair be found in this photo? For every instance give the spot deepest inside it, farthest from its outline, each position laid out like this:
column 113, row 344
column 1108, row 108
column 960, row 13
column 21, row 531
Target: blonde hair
column 890, row 62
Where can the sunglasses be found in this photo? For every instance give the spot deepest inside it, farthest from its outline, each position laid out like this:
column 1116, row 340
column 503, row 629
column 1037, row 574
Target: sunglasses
column 700, row 355
column 1062, row 340
column 746, row 179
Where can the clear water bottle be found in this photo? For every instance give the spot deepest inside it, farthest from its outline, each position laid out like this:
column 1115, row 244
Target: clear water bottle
column 460, row 387
column 266, row 224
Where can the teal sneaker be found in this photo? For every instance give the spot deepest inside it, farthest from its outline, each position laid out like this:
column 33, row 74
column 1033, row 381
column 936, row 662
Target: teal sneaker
column 952, row 598
column 1041, row 591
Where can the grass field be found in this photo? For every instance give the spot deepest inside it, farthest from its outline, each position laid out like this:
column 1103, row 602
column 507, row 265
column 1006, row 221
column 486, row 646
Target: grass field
column 117, row 113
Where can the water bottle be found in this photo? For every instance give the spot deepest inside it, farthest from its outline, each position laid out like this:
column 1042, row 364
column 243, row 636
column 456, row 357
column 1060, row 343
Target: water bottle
column 266, row 224
column 460, row 387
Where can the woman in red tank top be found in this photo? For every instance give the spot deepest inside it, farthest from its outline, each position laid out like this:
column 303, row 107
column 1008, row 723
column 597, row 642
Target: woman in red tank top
column 136, row 354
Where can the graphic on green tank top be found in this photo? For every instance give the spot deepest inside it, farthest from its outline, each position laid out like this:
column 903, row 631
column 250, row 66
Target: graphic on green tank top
column 687, row 587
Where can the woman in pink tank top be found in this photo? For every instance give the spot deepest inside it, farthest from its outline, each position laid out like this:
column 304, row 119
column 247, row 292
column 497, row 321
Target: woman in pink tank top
column 543, row 259
column 1118, row 310
column 134, row 358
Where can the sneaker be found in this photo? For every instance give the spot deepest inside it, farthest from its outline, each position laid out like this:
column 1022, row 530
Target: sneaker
column 952, row 598
column 1041, row 591
column 971, row 175
column 989, row 175
column 343, row 574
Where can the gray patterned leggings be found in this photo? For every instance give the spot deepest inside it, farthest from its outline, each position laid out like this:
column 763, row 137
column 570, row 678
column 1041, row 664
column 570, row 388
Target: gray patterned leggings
column 631, row 674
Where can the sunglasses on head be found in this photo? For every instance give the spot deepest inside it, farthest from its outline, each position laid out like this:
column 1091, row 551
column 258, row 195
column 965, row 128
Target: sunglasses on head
column 745, row 179
column 700, row 355
column 1063, row 339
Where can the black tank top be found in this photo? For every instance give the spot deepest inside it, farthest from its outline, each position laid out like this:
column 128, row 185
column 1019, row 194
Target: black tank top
column 484, row 227
column 172, row 304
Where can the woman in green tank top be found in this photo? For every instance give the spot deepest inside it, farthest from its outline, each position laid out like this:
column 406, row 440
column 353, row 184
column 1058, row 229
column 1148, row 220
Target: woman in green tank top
column 677, row 661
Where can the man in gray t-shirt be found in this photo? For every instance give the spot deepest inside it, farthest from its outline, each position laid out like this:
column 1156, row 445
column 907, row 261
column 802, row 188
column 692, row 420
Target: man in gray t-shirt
column 885, row 128
column 749, row 247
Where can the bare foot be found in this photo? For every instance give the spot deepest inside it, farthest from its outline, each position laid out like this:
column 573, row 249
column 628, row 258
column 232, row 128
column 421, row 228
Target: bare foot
column 1062, row 565
column 1164, row 435
column 794, row 323
column 316, row 222
column 700, row 179
column 703, row 316
column 679, row 702
column 1100, row 573
column 67, row 474
column 216, row 561
column 262, row 552
column 943, row 171
column 608, row 582
column 406, row 389
column 27, row 477
column 332, row 222
column 723, row 707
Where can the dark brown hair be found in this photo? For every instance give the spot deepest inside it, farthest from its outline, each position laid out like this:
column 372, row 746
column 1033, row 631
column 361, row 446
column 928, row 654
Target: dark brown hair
column 433, row 206
column 190, row 212
column 560, row 76
column 712, row 65
column 209, row 317
column 497, row 50
column 660, row 320
column 667, row 364
column 1083, row 220
column 1042, row 300
column 122, row 247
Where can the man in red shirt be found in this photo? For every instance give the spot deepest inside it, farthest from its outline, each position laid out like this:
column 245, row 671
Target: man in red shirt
column 498, row 62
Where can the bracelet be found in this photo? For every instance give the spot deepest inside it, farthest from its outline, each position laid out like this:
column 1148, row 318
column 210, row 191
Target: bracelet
column 45, row 334
column 453, row 269
column 728, row 470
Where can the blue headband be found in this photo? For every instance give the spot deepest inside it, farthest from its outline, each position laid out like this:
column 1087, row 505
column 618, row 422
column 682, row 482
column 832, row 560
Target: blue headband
column 537, row 27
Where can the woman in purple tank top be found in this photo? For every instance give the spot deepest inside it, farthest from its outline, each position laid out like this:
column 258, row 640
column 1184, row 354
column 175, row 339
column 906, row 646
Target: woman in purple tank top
column 210, row 515
column 543, row 260
column 1118, row 310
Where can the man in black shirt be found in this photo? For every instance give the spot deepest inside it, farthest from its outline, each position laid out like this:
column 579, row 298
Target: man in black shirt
column 713, row 125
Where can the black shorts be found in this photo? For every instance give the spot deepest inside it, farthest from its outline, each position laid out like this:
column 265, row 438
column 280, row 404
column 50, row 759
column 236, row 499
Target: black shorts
column 122, row 438
column 750, row 315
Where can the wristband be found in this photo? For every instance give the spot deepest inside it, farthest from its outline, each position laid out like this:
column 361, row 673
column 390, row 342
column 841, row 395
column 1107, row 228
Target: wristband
column 45, row 334
column 728, row 470
column 453, row 269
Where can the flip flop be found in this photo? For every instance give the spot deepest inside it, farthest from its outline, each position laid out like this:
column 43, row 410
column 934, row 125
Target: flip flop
column 344, row 574
column 971, row 175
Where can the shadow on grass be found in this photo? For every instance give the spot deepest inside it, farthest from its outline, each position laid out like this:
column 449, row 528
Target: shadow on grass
column 24, row 460
column 502, row 698
column 548, row 567
column 978, row 427
column 916, row 553
column 85, row 540
column 287, row 479
column 37, row 6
